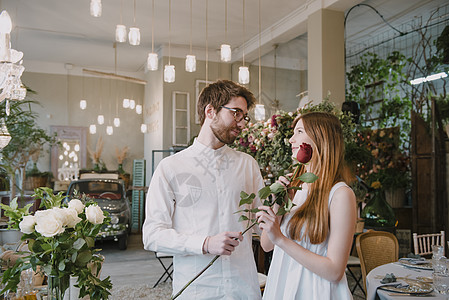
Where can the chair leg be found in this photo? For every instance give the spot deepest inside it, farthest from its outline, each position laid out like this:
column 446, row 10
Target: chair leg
column 357, row 282
column 167, row 273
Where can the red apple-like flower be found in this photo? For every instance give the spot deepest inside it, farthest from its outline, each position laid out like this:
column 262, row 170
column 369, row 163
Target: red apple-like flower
column 304, row 153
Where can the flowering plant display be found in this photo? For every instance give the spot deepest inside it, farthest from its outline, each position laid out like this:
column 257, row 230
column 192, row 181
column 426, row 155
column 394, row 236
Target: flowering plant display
column 276, row 193
column 384, row 161
column 60, row 240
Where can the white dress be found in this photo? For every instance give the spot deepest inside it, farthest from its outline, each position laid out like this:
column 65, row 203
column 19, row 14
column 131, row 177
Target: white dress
column 288, row 279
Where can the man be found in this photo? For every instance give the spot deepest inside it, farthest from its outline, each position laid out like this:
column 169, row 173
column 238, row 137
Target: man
column 193, row 197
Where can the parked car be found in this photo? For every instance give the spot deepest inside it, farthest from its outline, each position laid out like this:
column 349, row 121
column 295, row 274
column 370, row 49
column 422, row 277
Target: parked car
column 110, row 194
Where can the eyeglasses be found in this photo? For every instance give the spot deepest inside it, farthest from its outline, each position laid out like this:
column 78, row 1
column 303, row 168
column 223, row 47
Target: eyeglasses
column 238, row 114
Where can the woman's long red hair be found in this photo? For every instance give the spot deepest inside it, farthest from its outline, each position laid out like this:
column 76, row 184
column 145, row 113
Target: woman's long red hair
column 329, row 165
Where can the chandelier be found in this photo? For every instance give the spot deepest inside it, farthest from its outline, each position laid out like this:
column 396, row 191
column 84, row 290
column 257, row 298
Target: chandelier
column 11, row 68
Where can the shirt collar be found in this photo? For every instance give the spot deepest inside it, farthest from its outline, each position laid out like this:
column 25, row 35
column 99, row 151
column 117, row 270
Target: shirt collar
column 197, row 145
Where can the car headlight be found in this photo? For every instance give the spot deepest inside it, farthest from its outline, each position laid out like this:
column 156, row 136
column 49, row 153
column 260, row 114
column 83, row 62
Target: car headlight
column 114, row 219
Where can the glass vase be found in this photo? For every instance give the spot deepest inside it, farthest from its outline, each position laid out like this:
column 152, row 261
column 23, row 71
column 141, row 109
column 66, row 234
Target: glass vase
column 57, row 286
column 378, row 214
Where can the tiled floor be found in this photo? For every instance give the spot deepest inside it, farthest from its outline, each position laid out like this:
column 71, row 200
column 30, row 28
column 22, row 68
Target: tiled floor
column 138, row 266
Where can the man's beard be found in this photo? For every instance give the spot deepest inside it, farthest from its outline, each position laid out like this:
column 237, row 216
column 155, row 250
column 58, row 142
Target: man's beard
column 223, row 133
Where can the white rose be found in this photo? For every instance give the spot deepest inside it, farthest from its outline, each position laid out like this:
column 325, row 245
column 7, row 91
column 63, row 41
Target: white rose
column 71, row 217
column 27, row 224
column 60, row 214
column 47, row 223
column 76, row 205
column 94, row 214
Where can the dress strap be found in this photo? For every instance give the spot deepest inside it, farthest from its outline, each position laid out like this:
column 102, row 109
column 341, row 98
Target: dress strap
column 334, row 188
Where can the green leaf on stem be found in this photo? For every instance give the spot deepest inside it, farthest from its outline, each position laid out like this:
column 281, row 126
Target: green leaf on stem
column 243, row 218
column 308, row 177
column 264, row 192
column 246, row 200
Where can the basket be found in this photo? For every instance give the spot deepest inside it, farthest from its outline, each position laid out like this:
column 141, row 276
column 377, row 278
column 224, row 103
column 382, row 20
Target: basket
column 33, row 182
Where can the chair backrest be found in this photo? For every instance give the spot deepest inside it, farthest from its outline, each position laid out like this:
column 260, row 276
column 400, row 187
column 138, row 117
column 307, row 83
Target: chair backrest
column 423, row 243
column 376, row 248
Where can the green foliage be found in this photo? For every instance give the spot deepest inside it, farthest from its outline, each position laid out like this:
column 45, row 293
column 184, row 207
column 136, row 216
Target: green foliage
column 70, row 252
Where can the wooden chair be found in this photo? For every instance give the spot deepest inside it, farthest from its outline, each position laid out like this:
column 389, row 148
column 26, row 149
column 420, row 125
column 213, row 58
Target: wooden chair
column 423, row 242
column 376, row 248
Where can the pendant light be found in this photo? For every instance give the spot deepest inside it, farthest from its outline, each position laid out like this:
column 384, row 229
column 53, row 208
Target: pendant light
column 92, row 129
column 5, row 136
column 190, row 59
column 169, row 71
column 152, row 60
column 143, row 128
column 132, row 104
column 134, row 32
column 95, row 8
column 259, row 111
column 120, row 30
column 243, row 70
column 116, row 119
column 225, row 49
column 83, row 101
column 109, row 130
column 100, row 117
column 139, row 109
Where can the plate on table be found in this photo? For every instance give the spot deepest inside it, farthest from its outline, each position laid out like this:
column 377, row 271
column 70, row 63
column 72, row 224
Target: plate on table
column 419, row 289
column 423, row 264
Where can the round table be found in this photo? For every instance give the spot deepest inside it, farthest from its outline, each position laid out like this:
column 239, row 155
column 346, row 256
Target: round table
column 373, row 281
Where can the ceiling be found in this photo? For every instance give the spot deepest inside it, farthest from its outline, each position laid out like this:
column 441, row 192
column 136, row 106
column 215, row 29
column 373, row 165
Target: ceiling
column 63, row 32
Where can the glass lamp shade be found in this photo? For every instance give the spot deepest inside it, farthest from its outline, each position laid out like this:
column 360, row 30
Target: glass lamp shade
column 243, row 75
column 134, row 36
column 93, row 129
column 100, row 119
column 120, row 33
column 5, row 137
column 83, row 104
column 109, row 130
column 132, row 104
column 125, row 103
column 5, row 22
column 225, row 52
column 259, row 112
column 169, row 73
column 95, row 8
column 143, row 128
column 377, row 213
column 152, row 61
column 139, row 109
column 190, row 63
column 117, row 122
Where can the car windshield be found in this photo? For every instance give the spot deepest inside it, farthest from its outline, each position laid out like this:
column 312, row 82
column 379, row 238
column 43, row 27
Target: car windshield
column 98, row 189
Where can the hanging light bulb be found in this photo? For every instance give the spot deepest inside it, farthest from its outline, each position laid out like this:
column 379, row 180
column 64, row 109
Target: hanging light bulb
column 95, row 8
column 243, row 71
column 259, row 112
column 143, row 128
column 93, row 129
column 243, row 75
column 109, row 130
column 5, row 136
column 225, row 49
column 225, row 52
column 139, row 109
column 169, row 70
column 190, row 63
column 120, row 33
column 152, row 61
column 132, row 104
column 83, row 104
column 125, row 103
column 100, row 119
column 117, row 122
column 190, row 58
column 169, row 73
column 134, row 36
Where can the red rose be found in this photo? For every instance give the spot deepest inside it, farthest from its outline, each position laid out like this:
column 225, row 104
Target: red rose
column 304, row 153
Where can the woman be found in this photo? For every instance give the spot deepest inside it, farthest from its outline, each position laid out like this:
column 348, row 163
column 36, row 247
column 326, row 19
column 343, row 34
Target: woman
column 312, row 243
